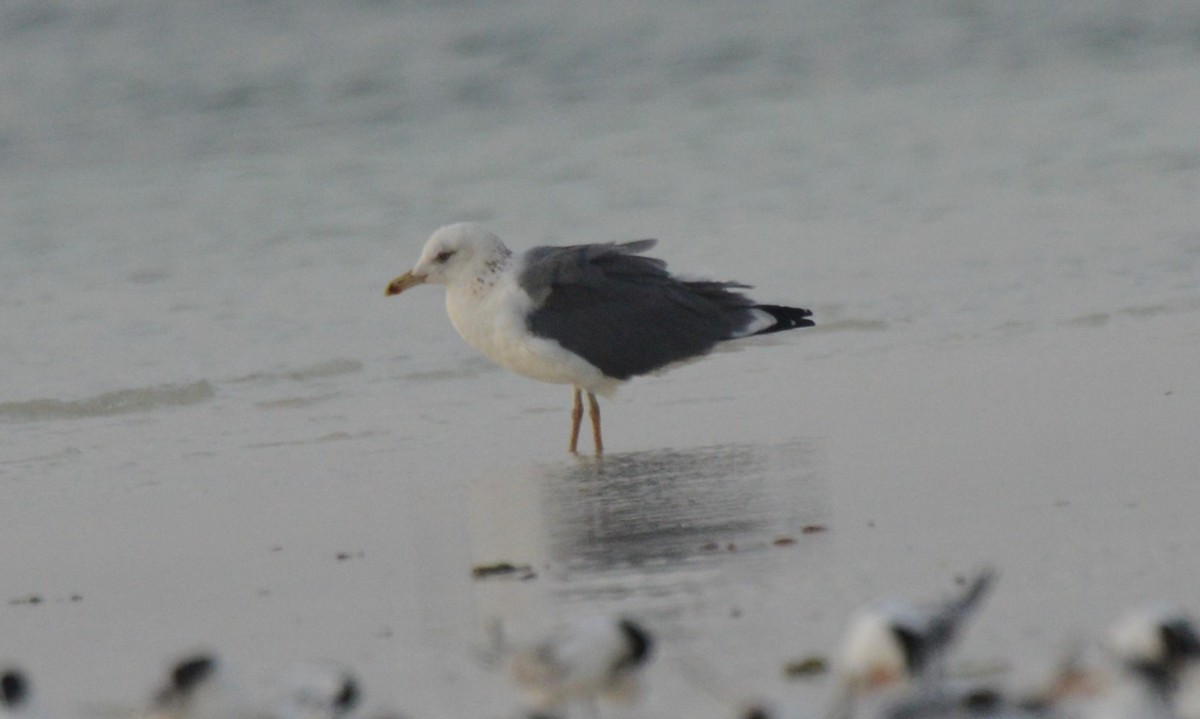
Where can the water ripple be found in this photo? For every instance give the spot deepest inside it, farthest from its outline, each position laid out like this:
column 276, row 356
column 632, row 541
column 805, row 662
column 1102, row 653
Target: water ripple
column 123, row 401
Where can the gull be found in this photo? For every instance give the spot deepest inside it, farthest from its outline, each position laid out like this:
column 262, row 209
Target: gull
column 899, row 647
column 589, row 658
column 1153, row 647
column 591, row 316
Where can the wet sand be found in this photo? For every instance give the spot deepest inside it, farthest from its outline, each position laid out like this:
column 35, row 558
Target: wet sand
column 749, row 503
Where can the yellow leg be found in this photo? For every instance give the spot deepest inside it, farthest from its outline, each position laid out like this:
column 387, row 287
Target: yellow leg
column 576, row 420
column 594, row 413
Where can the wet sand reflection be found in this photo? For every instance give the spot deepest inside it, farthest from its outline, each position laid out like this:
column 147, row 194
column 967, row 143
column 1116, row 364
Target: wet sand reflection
column 669, row 526
column 655, row 509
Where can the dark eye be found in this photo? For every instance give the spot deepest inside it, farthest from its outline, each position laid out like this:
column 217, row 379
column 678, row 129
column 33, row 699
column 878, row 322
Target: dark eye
column 444, row 255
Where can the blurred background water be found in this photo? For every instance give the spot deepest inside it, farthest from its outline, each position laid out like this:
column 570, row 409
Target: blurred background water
column 204, row 395
column 199, row 169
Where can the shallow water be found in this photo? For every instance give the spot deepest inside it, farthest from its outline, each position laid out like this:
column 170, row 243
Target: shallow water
column 218, row 432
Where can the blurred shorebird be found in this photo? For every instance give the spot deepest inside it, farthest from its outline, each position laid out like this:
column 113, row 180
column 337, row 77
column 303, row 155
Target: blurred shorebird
column 894, row 649
column 1153, row 647
column 596, row 657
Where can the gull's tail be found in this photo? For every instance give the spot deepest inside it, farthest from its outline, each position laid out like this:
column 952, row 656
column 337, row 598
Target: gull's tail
column 945, row 623
column 777, row 318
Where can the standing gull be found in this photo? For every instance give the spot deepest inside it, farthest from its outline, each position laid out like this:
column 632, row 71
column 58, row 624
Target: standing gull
column 591, row 316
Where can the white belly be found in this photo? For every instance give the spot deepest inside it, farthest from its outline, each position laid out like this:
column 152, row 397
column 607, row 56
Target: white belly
column 493, row 322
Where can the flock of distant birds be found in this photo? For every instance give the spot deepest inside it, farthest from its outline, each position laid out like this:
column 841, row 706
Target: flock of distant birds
column 891, row 665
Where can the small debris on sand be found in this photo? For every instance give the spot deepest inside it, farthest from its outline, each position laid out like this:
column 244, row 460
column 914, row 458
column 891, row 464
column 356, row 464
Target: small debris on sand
column 805, row 667
column 503, row 569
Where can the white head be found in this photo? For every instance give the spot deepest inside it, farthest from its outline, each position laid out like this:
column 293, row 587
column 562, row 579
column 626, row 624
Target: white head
column 460, row 251
column 1157, row 641
column 878, row 647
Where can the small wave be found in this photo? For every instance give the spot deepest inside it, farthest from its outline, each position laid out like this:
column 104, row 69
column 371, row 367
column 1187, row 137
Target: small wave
column 471, row 366
column 1095, row 319
column 440, row 374
column 331, row 437
column 123, row 401
column 293, row 402
column 321, row 370
column 332, row 368
column 1144, row 310
column 66, row 454
column 1100, row 319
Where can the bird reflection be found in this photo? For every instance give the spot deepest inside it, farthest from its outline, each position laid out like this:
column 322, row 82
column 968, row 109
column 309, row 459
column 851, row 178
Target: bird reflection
column 664, row 506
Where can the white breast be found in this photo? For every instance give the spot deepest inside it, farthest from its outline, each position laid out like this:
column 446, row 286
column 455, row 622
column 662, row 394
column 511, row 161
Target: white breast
column 490, row 316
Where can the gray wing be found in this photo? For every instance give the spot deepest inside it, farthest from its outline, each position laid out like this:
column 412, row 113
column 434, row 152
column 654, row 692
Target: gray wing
column 624, row 313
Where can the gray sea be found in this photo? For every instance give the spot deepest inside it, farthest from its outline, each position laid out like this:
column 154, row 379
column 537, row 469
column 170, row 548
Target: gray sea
column 215, row 430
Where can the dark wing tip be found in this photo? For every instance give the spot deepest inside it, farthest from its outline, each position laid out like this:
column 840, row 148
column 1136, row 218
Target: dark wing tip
column 786, row 318
column 978, row 588
column 639, row 640
column 636, row 246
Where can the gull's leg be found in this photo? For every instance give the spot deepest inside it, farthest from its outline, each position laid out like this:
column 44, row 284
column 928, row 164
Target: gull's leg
column 594, row 413
column 576, row 420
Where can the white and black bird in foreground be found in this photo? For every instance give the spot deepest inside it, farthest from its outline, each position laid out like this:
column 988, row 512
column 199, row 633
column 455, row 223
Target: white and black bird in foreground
column 199, row 687
column 897, row 646
column 591, row 316
column 1153, row 648
column 318, row 691
column 596, row 657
